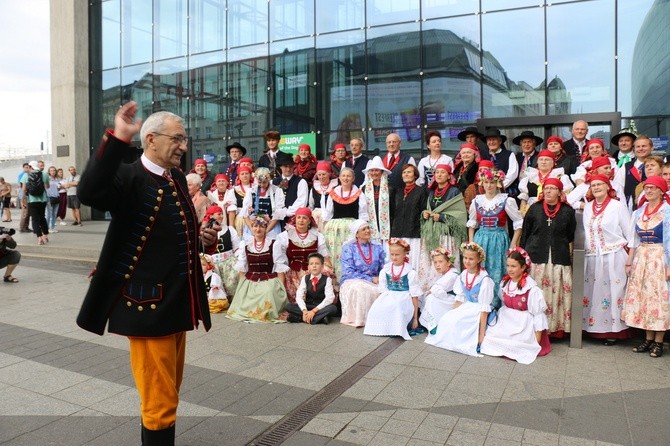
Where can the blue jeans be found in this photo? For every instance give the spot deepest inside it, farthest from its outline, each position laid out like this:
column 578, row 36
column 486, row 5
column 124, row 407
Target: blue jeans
column 51, row 213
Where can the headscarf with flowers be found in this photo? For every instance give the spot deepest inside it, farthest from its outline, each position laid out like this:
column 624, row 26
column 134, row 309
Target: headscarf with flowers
column 528, row 263
column 472, row 246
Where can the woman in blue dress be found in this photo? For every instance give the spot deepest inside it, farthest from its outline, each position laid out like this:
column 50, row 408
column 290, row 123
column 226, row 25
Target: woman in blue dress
column 362, row 260
column 487, row 225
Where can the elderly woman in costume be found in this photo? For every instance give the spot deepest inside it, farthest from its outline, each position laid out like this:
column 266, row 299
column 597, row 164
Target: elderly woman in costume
column 300, row 239
column 569, row 163
column 548, row 230
column 435, row 156
column 397, row 307
column 305, row 164
column 239, row 191
column 260, row 294
column 465, row 171
column 362, row 260
column 206, row 177
column 487, row 225
column 648, row 265
column 595, row 148
column 265, row 200
column 378, row 197
column 224, row 197
column 223, row 252
column 321, row 187
column 530, row 186
column 200, row 200
column 520, row 329
column 344, row 204
column 337, row 158
column 442, row 221
column 408, row 204
column 606, row 221
column 600, row 166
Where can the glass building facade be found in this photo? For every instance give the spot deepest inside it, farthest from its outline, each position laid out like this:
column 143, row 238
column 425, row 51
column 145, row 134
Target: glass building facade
column 343, row 68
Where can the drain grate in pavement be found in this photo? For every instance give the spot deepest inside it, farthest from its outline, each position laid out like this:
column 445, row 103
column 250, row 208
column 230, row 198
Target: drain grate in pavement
column 301, row 415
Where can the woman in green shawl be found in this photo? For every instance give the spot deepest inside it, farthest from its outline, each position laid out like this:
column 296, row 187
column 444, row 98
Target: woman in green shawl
column 442, row 222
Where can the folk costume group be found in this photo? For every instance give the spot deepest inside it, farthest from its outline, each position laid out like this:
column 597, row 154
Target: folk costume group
column 474, row 251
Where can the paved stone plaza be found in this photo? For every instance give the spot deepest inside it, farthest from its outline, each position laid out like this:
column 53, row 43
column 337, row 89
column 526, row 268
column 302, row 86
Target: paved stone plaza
column 60, row 385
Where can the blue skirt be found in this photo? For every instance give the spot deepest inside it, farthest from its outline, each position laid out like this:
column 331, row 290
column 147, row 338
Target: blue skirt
column 495, row 242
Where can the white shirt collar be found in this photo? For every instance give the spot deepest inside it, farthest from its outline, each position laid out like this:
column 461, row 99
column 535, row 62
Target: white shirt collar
column 151, row 166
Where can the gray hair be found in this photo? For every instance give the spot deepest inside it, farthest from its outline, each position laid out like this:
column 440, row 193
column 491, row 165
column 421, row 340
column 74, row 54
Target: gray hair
column 359, row 139
column 194, row 179
column 347, row 169
column 156, row 124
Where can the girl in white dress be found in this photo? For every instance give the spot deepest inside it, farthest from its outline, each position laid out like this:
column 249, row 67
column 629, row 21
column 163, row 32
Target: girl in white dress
column 398, row 304
column 520, row 330
column 462, row 329
column 440, row 298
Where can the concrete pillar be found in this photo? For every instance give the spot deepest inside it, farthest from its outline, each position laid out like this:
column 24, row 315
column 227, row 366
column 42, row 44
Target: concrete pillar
column 69, row 85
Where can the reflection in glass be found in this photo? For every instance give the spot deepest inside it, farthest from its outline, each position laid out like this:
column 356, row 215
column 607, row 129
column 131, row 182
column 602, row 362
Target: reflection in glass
column 494, row 5
column 442, row 8
column 341, row 84
column 630, row 16
column 247, row 96
column 514, row 72
column 251, row 22
column 580, row 71
column 111, row 28
column 291, row 18
column 171, row 87
column 293, row 86
column 207, row 25
column 394, row 83
column 137, row 85
column 136, row 28
column 451, row 91
column 382, row 12
column 170, row 29
column 342, row 15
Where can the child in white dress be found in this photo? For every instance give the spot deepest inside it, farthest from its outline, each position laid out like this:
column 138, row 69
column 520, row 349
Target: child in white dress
column 462, row 329
column 520, row 330
column 440, row 298
column 398, row 304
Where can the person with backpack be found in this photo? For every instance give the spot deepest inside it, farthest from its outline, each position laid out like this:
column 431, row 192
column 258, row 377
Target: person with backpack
column 34, row 186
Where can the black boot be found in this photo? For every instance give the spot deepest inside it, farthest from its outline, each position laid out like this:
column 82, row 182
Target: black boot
column 163, row 437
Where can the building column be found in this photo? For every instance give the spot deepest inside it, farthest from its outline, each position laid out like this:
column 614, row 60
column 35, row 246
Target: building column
column 70, row 86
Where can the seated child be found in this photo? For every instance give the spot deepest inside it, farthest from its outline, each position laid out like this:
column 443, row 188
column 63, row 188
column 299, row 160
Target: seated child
column 398, row 304
column 314, row 297
column 520, row 330
column 440, row 298
column 462, row 329
column 216, row 296
column 223, row 252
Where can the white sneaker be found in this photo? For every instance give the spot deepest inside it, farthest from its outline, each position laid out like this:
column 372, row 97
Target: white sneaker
column 62, row 223
column 52, row 230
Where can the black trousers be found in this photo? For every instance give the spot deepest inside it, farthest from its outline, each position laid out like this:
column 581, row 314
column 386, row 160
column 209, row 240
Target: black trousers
column 295, row 313
column 38, row 219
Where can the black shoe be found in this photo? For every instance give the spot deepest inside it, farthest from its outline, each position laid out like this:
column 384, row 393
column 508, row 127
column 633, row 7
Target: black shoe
column 644, row 347
column 293, row 318
column 25, row 230
column 656, row 350
column 609, row 342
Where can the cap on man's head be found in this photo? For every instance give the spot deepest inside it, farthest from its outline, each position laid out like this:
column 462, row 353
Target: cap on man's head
column 34, row 165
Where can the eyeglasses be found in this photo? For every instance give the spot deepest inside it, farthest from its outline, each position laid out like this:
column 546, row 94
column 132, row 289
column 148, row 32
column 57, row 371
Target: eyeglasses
column 177, row 139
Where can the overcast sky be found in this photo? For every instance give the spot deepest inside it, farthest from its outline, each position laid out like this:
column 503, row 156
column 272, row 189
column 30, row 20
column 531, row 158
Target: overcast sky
column 25, row 103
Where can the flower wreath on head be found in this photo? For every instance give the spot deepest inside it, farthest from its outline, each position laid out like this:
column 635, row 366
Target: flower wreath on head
column 526, row 258
column 258, row 219
column 400, row 242
column 472, row 246
column 442, row 252
column 487, row 174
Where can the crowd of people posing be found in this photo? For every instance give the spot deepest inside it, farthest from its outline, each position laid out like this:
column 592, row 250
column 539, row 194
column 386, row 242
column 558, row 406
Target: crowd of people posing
column 474, row 251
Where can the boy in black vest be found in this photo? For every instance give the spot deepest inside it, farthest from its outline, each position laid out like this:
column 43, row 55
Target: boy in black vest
column 314, row 297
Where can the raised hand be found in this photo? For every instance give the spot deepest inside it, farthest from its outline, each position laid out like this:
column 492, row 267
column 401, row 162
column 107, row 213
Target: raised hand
column 125, row 124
